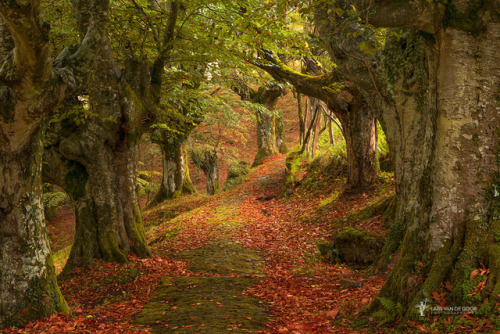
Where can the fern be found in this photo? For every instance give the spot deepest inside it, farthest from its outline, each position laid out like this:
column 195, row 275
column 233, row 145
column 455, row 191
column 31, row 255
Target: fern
column 390, row 312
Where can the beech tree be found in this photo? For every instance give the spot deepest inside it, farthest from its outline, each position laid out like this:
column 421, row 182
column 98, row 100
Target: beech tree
column 108, row 215
column 357, row 119
column 435, row 88
column 175, row 178
column 32, row 86
column 270, row 130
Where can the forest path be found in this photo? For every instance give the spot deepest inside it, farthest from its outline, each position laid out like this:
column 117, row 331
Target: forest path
column 245, row 260
column 212, row 297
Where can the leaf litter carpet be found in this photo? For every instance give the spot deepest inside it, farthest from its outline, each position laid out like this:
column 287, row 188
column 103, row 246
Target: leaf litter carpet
column 244, row 262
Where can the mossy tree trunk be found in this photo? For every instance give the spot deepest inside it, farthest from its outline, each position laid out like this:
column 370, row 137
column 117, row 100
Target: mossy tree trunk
column 175, row 179
column 109, row 219
column 437, row 94
column 270, row 128
column 360, row 133
column 267, row 136
column 31, row 86
column 358, row 122
column 279, row 125
column 207, row 160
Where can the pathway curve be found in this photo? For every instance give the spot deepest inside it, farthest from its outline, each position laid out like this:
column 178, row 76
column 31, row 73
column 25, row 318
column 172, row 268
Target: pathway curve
column 212, row 298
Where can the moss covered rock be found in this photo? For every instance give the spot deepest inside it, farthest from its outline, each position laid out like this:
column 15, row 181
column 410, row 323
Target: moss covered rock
column 236, row 175
column 357, row 248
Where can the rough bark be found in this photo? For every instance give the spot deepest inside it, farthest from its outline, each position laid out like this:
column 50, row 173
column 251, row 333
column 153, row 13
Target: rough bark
column 175, row 179
column 270, row 130
column 31, row 87
column 109, row 218
column 437, row 92
column 207, row 161
column 360, row 133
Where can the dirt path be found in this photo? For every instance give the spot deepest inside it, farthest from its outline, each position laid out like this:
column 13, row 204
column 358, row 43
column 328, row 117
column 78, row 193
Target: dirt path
column 215, row 299
column 242, row 261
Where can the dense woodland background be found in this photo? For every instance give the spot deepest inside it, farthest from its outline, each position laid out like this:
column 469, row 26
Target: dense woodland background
column 249, row 166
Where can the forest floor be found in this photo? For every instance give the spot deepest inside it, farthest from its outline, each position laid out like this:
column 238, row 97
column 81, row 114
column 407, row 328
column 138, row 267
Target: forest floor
column 242, row 261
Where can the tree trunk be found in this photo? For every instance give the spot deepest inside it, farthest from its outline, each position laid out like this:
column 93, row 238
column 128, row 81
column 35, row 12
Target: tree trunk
column 108, row 152
column 31, row 86
column 302, row 118
column 211, row 170
column 360, row 133
column 28, row 287
column 175, row 180
column 330, row 132
column 266, row 136
column 317, row 125
column 446, row 166
column 280, row 135
column 438, row 94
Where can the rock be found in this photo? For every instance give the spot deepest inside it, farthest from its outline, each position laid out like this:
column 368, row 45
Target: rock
column 349, row 284
column 357, row 248
column 265, row 198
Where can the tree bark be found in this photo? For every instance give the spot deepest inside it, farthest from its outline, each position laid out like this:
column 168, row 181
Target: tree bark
column 175, row 179
column 266, row 122
column 361, row 139
column 437, row 95
column 360, row 132
column 109, row 218
column 207, row 160
column 32, row 86
column 270, row 129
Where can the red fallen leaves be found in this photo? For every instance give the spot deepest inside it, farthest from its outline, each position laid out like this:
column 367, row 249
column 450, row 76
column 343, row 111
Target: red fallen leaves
column 106, row 296
column 304, row 295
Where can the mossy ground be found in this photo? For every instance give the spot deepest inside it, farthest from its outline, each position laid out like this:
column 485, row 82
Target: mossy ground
column 209, row 304
column 246, row 260
column 204, row 305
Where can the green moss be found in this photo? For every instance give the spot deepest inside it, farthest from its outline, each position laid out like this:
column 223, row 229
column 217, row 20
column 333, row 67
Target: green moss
column 236, row 175
column 52, row 201
column 357, row 248
column 224, row 258
column 209, row 304
column 204, row 305
column 469, row 20
column 42, row 299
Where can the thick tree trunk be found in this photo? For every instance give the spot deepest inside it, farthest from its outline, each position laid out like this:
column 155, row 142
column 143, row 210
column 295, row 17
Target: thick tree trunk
column 31, row 86
column 266, row 136
column 107, row 151
column 280, row 135
column 213, row 179
column 28, row 287
column 438, row 94
column 360, row 145
column 175, row 180
column 210, row 168
column 270, row 130
column 360, row 133
column 446, row 165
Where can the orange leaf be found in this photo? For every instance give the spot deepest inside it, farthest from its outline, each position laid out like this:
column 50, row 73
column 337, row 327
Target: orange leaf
column 332, row 313
column 473, row 274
